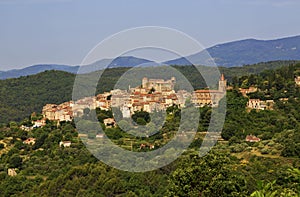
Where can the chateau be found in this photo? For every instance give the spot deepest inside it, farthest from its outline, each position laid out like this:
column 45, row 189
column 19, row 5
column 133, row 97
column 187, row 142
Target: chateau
column 159, row 85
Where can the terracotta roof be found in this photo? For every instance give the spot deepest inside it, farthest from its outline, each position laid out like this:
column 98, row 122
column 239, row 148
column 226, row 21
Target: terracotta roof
column 252, row 138
column 208, row 91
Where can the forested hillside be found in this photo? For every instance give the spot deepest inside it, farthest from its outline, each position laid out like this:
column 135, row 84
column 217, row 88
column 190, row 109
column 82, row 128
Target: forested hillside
column 234, row 167
column 21, row 96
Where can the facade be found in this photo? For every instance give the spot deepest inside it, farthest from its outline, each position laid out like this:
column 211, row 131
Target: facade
column 11, row 172
column 62, row 112
column 159, row 85
column 260, row 105
column 210, row 97
column 65, row 143
column 39, row 123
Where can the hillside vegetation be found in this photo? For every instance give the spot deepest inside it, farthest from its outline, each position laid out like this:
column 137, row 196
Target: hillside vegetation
column 20, row 97
column 234, row 167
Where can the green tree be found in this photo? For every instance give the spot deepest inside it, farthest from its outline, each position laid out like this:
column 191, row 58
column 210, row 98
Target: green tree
column 15, row 161
column 211, row 175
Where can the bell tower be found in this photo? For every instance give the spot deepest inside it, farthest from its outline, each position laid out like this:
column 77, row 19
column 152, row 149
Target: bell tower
column 145, row 82
column 222, row 83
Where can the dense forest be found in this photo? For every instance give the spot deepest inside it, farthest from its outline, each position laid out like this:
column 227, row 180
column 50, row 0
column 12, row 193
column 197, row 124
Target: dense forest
column 234, row 167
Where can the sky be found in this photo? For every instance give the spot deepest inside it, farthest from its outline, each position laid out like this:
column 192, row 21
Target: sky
column 64, row 31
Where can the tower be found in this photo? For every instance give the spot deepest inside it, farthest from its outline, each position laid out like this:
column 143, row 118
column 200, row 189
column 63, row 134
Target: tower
column 222, row 83
column 145, row 82
column 173, row 82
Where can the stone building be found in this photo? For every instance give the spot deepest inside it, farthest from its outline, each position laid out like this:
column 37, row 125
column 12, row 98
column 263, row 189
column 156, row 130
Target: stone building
column 210, row 97
column 62, row 112
column 297, row 80
column 260, row 105
column 159, row 85
column 11, row 172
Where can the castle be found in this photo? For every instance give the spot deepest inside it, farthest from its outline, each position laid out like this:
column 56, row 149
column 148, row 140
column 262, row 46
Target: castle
column 158, row 85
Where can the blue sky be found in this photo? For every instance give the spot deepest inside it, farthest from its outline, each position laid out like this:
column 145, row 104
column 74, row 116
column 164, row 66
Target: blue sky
column 64, row 31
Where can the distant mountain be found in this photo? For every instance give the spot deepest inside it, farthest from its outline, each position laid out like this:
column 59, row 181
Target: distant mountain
column 31, row 70
column 237, row 53
column 125, row 61
column 245, row 52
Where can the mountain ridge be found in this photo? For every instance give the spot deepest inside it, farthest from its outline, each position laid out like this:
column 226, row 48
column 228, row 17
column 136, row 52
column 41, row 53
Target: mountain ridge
column 247, row 51
column 231, row 54
column 123, row 61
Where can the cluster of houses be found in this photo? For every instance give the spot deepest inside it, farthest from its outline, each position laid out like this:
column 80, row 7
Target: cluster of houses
column 62, row 112
column 152, row 95
column 260, row 105
column 256, row 103
column 36, row 124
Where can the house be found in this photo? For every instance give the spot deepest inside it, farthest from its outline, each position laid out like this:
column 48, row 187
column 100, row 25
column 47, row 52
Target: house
column 39, row 123
column 252, row 138
column 62, row 112
column 25, row 128
column 254, row 104
column 297, row 80
column 109, row 122
column 12, row 172
column 247, row 91
column 65, row 143
column 269, row 104
column 99, row 135
column 29, row 141
column 260, row 105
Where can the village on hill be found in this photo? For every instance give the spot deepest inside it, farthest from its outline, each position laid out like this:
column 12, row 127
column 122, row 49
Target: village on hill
column 152, row 95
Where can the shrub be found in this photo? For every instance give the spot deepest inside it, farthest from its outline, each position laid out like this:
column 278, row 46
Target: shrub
column 265, row 151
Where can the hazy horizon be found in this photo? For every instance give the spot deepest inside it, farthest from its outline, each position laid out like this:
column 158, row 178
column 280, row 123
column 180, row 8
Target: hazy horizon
column 64, row 31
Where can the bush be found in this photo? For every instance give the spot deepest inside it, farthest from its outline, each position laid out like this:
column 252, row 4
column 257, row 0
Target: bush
column 274, row 152
column 271, row 143
column 1, row 146
column 265, row 151
column 238, row 148
column 15, row 161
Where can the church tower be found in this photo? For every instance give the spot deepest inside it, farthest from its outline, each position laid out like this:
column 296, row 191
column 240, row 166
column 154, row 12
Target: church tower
column 222, row 83
column 145, row 82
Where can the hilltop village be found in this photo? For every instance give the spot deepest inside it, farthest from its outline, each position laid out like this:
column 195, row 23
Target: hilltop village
column 153, row 94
